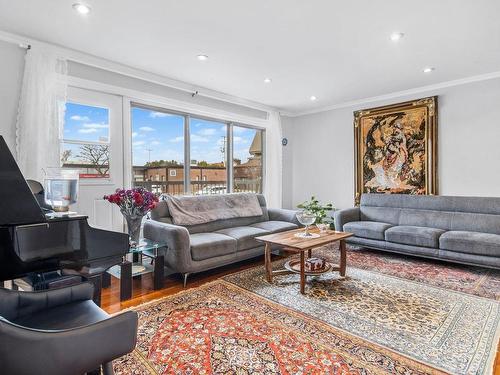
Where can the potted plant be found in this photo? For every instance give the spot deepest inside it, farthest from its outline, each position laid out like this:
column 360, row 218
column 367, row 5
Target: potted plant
column 134, row 204
column 320, row 212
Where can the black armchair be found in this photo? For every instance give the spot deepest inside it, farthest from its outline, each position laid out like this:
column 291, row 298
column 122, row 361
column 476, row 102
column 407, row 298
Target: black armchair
column 61, row 332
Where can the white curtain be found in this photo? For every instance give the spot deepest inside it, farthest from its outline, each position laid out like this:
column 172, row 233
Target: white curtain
column 273, row 163
column 41, row 111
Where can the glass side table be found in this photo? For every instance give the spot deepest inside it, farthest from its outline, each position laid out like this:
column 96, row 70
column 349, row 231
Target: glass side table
column 127, row 270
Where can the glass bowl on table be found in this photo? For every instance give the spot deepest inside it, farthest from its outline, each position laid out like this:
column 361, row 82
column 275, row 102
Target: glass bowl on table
column 306, row 218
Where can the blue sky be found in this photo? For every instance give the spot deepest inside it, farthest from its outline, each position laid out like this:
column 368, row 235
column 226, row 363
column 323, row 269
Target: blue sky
column 159, row 132
column 163, row 134
column 86, row 123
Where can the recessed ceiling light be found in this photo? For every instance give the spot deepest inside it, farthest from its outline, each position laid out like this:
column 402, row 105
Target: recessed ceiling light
column 267, row 80
column 397, row 36
column 81, row 8
column 202, row 57
column 429, row 69
column 313, row 98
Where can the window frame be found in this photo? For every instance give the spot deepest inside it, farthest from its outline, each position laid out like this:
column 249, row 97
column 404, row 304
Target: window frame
column 187, row 143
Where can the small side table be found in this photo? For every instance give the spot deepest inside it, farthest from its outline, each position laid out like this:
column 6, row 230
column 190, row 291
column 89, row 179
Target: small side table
column 149, row 249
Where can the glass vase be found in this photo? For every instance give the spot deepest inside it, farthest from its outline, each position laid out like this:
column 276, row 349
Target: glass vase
column 134, row 229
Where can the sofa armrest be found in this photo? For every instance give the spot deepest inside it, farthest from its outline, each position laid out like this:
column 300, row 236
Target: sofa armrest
column 77, row 350
column 345, row 216
column 178, row 255
column 14, row 304
column 281, row 214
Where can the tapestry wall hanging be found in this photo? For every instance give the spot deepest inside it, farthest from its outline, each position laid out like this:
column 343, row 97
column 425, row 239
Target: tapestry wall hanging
column 395, row 148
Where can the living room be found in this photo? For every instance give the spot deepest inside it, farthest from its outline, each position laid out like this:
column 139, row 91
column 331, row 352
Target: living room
column 256, row 187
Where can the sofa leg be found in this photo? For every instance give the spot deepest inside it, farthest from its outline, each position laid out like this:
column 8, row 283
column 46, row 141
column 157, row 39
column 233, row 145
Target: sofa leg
column 185, row 278
column 107, row 368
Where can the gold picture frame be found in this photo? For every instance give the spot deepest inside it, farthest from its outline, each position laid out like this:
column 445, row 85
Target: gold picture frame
column 395, row 149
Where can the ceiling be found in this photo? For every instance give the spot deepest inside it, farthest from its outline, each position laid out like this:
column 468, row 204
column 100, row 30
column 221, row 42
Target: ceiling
column 336, row 50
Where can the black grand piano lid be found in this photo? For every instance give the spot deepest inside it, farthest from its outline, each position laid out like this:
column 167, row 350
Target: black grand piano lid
column 18, row 205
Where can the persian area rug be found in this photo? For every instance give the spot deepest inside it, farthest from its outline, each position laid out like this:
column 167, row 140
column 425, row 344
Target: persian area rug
column 483, row 282
column 452, row 331
column 220, row 328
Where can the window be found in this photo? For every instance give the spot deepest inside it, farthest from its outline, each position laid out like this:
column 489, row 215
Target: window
column 158, row 150
column 208, row 142
column 85, row 143
column 247, row 159
column 215, row 150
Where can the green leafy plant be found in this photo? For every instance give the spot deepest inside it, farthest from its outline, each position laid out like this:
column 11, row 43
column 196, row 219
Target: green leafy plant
column 318, row 209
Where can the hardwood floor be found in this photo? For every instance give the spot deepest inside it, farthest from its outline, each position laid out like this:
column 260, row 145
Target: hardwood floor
column 143, row 290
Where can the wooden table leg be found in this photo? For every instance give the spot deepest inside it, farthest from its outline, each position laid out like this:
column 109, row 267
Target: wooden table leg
column 125, row 280
column 268, row 265
column 302, row 273
column 309, row 253
column 158, row 274
column 343, row 258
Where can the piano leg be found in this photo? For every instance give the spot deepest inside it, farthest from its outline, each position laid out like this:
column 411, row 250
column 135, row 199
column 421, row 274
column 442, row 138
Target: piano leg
column 125, row 280
column 106, row 280
column 96, row 280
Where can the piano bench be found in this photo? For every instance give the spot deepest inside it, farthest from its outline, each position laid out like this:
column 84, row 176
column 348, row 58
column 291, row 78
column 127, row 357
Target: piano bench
column 47, row 280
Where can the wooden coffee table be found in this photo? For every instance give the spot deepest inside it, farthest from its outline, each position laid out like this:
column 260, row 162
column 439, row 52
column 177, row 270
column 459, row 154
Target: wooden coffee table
column 288, row 241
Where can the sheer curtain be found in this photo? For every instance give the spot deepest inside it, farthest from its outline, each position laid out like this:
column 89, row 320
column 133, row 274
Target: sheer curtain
column 273, row 164
column 41, row 111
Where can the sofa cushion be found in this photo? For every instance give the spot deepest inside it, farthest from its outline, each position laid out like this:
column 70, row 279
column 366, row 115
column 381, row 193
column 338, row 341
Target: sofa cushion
column 210, row 245
column 70, row 315
column 245, row 236
column 411, row 235
column 367, row 229
column 274, row 226
column 471, row 242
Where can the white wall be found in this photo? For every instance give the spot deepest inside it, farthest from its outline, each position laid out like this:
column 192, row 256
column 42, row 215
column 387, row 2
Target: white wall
column 319, row 158
column 11, row 74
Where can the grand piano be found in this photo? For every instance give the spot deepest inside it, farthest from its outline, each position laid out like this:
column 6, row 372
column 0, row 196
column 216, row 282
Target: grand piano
column 32, row 241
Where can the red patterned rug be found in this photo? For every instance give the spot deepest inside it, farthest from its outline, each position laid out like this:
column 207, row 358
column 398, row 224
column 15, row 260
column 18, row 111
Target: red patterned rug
column 220, row 328
column 482, row 282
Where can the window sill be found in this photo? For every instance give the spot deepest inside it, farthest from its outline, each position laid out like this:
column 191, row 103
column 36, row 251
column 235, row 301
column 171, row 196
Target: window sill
column 92, row 182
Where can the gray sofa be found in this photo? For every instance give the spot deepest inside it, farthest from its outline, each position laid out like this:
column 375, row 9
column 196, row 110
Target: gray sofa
column 458, row 229
column 202, row 247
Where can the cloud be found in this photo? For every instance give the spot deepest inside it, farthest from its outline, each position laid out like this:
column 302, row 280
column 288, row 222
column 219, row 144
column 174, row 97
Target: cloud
column 239, row 129
column 238, row 140
column 138, row 143
column 88, row 130
column 177, row 139
column 159, row 114
column 207, row 131
column 95, row 126
column 79, row 118
column 147, row 129
column 198, row 138
column 134, row 134
column 156, row 143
